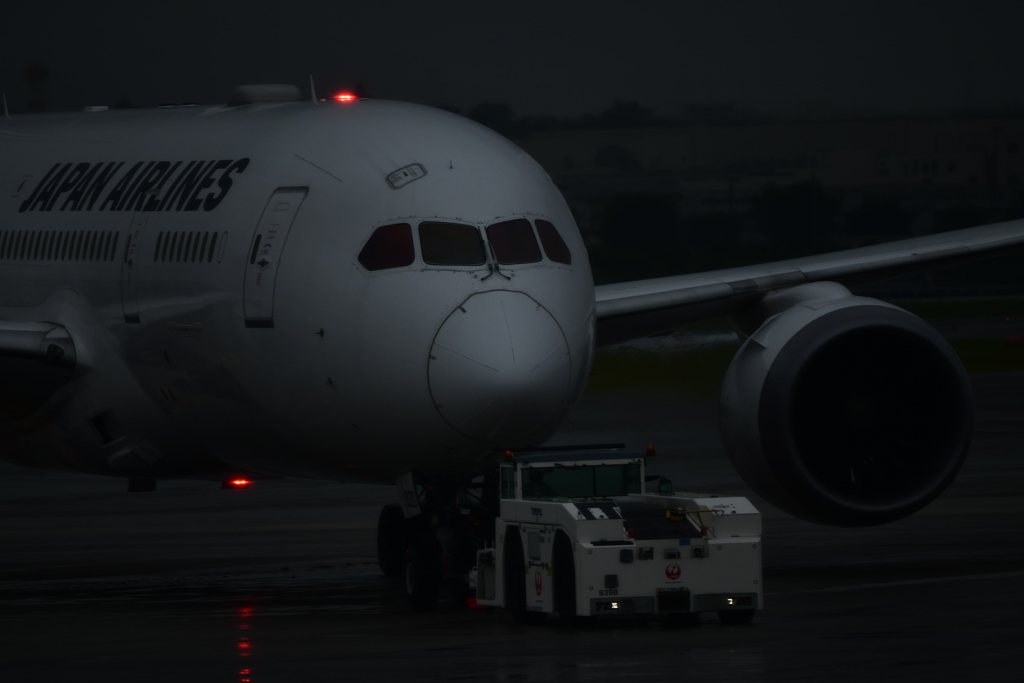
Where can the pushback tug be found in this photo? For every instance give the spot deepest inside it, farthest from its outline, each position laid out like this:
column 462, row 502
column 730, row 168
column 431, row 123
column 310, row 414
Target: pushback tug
column 585, row 532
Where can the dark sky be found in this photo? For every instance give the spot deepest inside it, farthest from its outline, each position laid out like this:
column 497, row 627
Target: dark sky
column 543, row 58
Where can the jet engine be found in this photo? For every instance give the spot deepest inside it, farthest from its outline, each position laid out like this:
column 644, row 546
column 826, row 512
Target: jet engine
column 844, row 410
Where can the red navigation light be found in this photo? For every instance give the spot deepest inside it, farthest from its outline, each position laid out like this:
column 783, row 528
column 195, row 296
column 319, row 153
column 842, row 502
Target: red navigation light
column 235, row 484
column 345, row 97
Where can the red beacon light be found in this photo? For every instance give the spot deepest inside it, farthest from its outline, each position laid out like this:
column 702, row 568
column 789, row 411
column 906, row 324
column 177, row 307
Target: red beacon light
column 237, row 483
column 345, row 97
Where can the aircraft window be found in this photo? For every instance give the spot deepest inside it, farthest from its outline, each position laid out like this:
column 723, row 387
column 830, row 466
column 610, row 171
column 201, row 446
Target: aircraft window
column 175, row 247
column 513, row 242
column 390, row 246
column 451, row 244
column 554, row 245
column 197, row 251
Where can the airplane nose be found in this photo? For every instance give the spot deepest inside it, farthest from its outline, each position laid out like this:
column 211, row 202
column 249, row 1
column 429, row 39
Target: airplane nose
column 499, row 367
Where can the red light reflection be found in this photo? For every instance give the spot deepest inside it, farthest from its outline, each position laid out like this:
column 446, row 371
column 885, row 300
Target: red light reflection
column 244, row 647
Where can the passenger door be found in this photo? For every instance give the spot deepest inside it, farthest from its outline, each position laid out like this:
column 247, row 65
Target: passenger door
column 265, row 255
column 130, row 269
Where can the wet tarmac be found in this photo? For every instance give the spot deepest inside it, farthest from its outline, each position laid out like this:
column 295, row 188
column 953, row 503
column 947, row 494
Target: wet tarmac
column 279, row 582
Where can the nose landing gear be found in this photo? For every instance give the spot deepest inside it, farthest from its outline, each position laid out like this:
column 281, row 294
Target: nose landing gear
column 391, row 541
column 430, row 541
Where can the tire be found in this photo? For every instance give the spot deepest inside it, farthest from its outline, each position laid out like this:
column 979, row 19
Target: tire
column 391, row 541
column 461, row 593
column 683, row 620
column 565, row 582
column 736, row 617
column 515, row 580
column 422, row 579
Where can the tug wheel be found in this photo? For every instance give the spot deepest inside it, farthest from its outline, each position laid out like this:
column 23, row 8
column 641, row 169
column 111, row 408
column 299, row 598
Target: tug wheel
column 733, row 617
column 422, row 579
column 565, row 582
column 515, row 580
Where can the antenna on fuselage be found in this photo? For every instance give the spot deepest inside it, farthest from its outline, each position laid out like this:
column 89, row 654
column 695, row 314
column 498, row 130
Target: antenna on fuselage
column 312, row 90
column 7, row 114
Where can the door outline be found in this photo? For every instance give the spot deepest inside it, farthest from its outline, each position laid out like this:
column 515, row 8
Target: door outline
column 130, row 268
column 263, row 257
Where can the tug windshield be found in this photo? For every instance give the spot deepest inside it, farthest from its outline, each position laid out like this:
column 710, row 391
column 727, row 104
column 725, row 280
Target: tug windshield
column 582, row 481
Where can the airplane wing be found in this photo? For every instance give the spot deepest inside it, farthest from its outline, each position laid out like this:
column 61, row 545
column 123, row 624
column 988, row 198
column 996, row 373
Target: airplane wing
column 642, row 308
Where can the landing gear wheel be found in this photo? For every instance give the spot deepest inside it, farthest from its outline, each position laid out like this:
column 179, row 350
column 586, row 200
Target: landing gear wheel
column 734, row 617
column 565, row 583
column 515, row 581
column 461, row 593
column 391, row 541
column 422, row 580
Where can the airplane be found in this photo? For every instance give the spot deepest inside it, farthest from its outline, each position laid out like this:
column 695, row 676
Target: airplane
column 366, row 289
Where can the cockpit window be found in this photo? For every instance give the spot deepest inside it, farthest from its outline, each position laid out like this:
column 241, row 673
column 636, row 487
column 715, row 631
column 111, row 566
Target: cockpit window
column 513, row 242
column 451, row 244
column 390, row 246
column 554, row 245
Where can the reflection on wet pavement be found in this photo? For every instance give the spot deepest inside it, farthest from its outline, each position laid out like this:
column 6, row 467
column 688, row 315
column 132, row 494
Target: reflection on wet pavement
column 278, row 583
column 245, row 649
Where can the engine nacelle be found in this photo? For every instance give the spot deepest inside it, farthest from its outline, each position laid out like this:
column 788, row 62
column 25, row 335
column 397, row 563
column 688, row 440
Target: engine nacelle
column 844, row 410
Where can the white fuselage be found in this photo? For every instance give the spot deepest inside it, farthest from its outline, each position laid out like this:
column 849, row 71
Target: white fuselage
column 325, row 373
